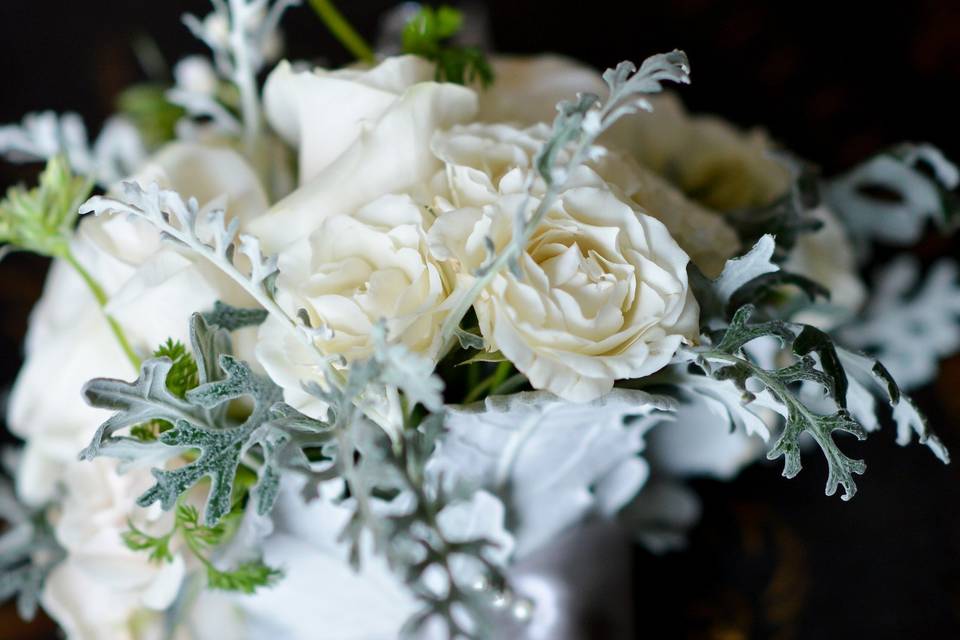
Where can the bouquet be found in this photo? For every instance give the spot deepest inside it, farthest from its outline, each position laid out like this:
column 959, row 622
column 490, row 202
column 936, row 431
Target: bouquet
column 402, row 349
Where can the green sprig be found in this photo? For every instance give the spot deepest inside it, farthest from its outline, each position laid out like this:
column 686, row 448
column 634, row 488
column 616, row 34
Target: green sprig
column 201, row 540
column 428, row 34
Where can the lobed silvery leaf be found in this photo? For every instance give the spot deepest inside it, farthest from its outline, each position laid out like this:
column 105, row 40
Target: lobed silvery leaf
column 891, row 197
column 410, row 373
column 868, row 377
column 909, row 324
column 727, row 361
column 714, row 296
column 553, row 462
column 233, row 318
column 220, row 448
column 28, row 552
column 145, row 399
column 742, row 411
column 200, row 422
column 207, row 233
column 117, row 152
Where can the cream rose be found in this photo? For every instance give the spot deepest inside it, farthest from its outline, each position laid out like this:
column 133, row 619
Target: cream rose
column 604, row 293
column 706, row 157
column 527, row 91
column 361, row 135
column 359, row 269
column 96, row 511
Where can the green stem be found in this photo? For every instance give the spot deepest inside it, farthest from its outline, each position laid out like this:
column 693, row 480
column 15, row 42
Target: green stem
column 342, row 30
column 492, row 382
column 101, row 297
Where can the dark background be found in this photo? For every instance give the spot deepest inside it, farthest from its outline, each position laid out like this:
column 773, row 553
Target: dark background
column 833, row 82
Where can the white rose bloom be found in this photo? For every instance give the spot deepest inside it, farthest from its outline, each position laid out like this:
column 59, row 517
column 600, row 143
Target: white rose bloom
column 604, row 295
column 361, row 135
column 355, row 270
column 95, row 512
column 323, row 113
column 527, row 90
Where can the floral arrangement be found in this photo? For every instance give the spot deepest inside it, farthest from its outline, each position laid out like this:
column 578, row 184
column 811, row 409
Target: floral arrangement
column 384, row 351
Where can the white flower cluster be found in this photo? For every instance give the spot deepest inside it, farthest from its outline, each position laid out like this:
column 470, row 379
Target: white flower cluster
column 407, row 189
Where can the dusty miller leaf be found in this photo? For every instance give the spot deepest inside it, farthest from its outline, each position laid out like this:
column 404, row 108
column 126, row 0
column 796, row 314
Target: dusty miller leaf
column 28, row 552
column 232, row 318
column 909, row 324
column 891, row 197
column 726, row 361
column 553, row 462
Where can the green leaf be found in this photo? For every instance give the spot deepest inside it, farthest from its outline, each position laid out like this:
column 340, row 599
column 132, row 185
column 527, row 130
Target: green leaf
column 183, row 374
column 427, row 34
column 152, row 113
column 41, row 220
column 157, row 546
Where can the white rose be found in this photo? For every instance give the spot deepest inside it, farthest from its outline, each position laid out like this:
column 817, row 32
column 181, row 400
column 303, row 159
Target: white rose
column 324, row 112
column 96, row 510
column 527, row 90
column 604, row 295
column 361, row 134
column 359, row 269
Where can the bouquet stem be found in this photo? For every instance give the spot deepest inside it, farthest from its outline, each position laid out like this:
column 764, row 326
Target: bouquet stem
column 101, row 297
column 342, row 30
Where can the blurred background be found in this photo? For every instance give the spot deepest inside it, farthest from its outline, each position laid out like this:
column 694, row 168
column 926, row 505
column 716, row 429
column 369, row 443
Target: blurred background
column 835, row 83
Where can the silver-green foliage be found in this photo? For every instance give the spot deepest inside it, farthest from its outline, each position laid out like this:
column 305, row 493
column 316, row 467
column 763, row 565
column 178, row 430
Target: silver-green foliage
column 849, row 380
column 891, row 196
column 201, row 423
column 28, row 552
column 394, row 499
column 578, row 124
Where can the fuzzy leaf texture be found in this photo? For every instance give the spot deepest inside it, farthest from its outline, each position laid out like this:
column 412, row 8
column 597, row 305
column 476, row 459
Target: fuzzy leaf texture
column 554, row 462
column 200, row 423
column 910, row 323
column 891, row 197
column 727, row 361
column 185, row 223
column 396, row 501
column 28, row 552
